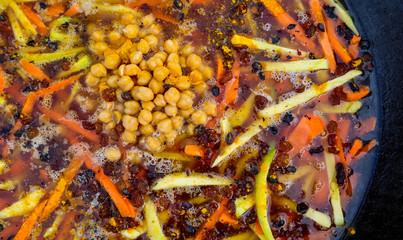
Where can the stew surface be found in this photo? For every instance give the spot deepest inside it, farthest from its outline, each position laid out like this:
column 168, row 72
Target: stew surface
column 177, row 119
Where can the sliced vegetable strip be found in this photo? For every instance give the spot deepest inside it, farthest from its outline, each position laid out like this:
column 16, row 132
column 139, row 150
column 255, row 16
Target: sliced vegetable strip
column 35, row 19
column 19, row 36
column 2, row 81
column 212, row 219
column 335, row 41
column 23, row 206
column 342, row 14
column 194, row 150
column 22, row 18
column 362, row 92
column 262, row 193
column 133, row 233
column 182, row 179
column 33, row 70
column 25, row 229
column 296, row 66
column 54, row 56
column 154, row 229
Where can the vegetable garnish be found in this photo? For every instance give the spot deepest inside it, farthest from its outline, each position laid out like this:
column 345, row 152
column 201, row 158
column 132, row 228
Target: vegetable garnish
column 158, row 119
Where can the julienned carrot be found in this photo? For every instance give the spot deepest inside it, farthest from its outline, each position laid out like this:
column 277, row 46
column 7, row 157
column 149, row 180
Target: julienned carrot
column 220, row 70
column 64, row 232
column 25, row 229
column 334, row 39
column 73, row 10
column 124, row 206
column 57, row 86
column 353, row 48
column 138, row 3
column 161, row 16
column 285, row 20
column 75, row 126
column 194, row 150
column 212, row 220
column 362, row 92
column 357, row 145
column 33, row 70
column 54, row 10
column 227, row 218
column 35, row 19
column 323, row 36
column 2, row 81
column 365, row 149
column 64, row 181
column 339, row 145
column 306, row 130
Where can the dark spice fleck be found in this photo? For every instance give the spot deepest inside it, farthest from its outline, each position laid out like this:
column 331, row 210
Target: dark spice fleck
column 109, row 95
column 178, row 4
column 310, row 32
column 229, row 139
column 14, row 56
column 215, row 91
column 275, row 40
column 82, row 178
column 31, row 43
column 127, row 96
column 291, row 169
column 44, row 157
column 181, row 16
column 288, row 118
column 340, row 31
column 291, row 26
column 350, row 171
column 364, row 44
column 46, row 40
column 42, row 5
column 330, row 11
column 273, row 129
column 271, row 178
column 18, row 133
column 256, row 67
column 89, row 173
column 302, row 207
column 353, row 86
column 312, row 56
column 340, row 173
column 261, row 75
column 2, row 18
column 321, row 27
column 1, row 227
column 260, row 102
column 190, row 229
column 280, row 222
column 53, row 46
column 317, row 150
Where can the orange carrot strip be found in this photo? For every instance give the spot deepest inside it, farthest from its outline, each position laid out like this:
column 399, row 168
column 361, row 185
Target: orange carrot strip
column 57, row 86
column 258, row 228
column 354, row 48
column 220, row 70
column 57, row 194
column 337, row 46
column 138, row 3
column 357, row 145
column 212, row 220
column 194, row 150
column 354, row 96
column 227, row 218
column 35, row 19
column 339, row 145
column 2, row 81
column 285, row 20
column 306, row 130
column 33, row 70
column 25, row 229
column 323, row 36
column 365, row 149
column 161, row 16
column 54, row 10
column 66, row 226
column 231, row 87
column 75, row 126
column 73, row 10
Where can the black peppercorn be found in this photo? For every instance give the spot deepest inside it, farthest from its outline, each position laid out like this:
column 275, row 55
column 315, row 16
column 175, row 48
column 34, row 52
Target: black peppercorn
column 215, row 91
column 273, row 129
column 302, row 207
column 31, row 43
column 53, row 46
column 178, row 4
column 42, row 5
column 321, row 27
column 291, row 26
column 287, row 118
column 364, row 44
column 2, row 18
column 256, row 67
column 229, row 139
column 90, row 173
column 261, row 75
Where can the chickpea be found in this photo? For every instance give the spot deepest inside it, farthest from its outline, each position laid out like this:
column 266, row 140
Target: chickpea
column 100, row 47
column 114, row 36
column 177, row 122
column 143, row 94
column 183, row 83
column 148, row 20
column 175, row 69
column 190, row 129
column 113, row 154
column 143, row 46
column 120, row 107
column 130, row 123
column 136, row 57
column 210, row 108
column 171, row 136
column 201, row 88
column 185, row 101
column 171, row 110
column 129, row 136
column 171, row 46
column 105, row 116
column 149, row 105
column 131, row 70
column 125, row 83
column 154, row 62
column 172, row 96
column 119, row 95
column 152, row 41
column 154, row 29
column 112, row 61
column 159, row 100
column 98, row 35
column 196, row 77
column 109, row 126
column 153, row 144
column 108, row 105
column 132, row 107
column 156, row 86
column 199, row 117
column 161, row 55
column 102, row 85
column 207, row 72
column 173, row 58
column 145, row 117
column 144, row 78
column 143, row 65
column 187, row 50
column 127, row 18
column 113, row 81
column 186, row 112
column 142, row 33
column 189, row 93
column 121, row 70
column 116, row 116
column 182, row 61
column 158, row 117
column 91, row 80
column 146, row 129
column 160, row 73
column 131, row 31
column 193, row 61
column 165, row 126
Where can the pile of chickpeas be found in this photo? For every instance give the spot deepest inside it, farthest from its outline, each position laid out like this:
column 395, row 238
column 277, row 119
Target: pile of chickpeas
column 148, row 84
